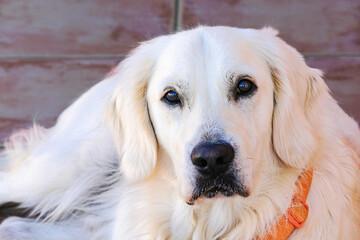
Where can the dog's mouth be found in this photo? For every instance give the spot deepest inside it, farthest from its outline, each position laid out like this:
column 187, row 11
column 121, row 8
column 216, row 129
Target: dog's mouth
column 217, row 187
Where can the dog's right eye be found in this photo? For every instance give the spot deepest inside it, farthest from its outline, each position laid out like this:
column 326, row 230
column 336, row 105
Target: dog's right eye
column 171, row 97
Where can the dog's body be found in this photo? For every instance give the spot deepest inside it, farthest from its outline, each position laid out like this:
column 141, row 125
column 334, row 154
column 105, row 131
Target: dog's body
column 123, row 161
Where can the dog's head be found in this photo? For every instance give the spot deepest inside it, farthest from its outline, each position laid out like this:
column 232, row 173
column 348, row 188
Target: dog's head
column 218, row 107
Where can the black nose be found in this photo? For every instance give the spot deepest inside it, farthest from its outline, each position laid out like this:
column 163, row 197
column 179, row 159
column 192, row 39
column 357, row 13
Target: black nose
column 212, row 158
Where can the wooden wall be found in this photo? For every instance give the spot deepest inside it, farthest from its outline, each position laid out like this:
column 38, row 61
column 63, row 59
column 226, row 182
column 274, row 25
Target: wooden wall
column 52, row 51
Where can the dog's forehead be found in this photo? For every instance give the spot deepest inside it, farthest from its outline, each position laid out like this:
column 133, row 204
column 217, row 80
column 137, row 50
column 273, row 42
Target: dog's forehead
column 208, row 54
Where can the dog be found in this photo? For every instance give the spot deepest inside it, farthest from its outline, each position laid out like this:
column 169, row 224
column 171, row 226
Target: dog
column 202, row 134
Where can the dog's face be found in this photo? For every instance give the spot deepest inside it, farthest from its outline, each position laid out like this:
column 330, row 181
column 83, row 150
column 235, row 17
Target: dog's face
column 210, row 101
column 225, row 106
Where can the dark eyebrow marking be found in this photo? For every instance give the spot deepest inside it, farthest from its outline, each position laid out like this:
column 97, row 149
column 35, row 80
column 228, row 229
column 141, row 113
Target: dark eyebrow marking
column 241, row 76
column 231, row 80
column 169, row 88
column 180, row 85
column 183, row 86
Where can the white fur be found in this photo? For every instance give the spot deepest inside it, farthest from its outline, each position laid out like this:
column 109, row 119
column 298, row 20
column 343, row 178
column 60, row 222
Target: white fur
column 117, row 163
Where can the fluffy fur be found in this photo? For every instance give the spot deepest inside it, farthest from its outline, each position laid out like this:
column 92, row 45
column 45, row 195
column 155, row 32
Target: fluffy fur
column 117, row 163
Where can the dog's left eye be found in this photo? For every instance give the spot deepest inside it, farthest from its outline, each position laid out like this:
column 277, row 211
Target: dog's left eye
column 245, row 87
column 171, row 97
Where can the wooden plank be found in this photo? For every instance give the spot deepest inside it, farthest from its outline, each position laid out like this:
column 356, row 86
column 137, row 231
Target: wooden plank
column 40, row 27
column 310, row 26
column 342, row 75
column 41, row 90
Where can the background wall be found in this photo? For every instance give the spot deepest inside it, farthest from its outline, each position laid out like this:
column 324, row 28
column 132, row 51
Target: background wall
column 52, row 51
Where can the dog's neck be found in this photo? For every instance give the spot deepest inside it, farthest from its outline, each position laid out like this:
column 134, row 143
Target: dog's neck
column 297, row 212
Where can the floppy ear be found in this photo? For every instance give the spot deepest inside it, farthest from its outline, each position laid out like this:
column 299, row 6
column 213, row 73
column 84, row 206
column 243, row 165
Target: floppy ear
column 128, row 112
column 299, row 91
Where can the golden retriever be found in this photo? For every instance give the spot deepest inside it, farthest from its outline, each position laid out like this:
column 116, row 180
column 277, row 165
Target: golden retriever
column 201, row 134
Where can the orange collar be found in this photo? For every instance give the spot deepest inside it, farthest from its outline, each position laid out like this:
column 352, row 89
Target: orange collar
column 296, row 214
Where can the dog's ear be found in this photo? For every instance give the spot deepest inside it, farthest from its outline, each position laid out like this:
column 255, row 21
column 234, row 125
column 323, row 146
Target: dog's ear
column 128, row 111
column 298, row 95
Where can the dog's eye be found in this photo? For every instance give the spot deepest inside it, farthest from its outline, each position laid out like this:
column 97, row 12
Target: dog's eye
column 245, row 87
column 171, row 97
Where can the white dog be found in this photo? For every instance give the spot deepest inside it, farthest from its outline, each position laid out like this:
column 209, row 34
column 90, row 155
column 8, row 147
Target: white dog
column 203, row 134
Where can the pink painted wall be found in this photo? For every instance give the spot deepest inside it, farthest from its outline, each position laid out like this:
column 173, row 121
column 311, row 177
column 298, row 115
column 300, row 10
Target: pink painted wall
column 37, row 82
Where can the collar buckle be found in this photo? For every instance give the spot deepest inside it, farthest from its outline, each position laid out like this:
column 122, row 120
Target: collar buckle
column 298, row 212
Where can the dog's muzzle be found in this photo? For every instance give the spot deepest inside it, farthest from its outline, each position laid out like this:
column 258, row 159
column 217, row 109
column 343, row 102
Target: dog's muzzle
column 215, row 171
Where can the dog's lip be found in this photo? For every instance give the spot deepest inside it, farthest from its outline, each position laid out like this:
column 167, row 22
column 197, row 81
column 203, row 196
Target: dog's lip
column 216, row 190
